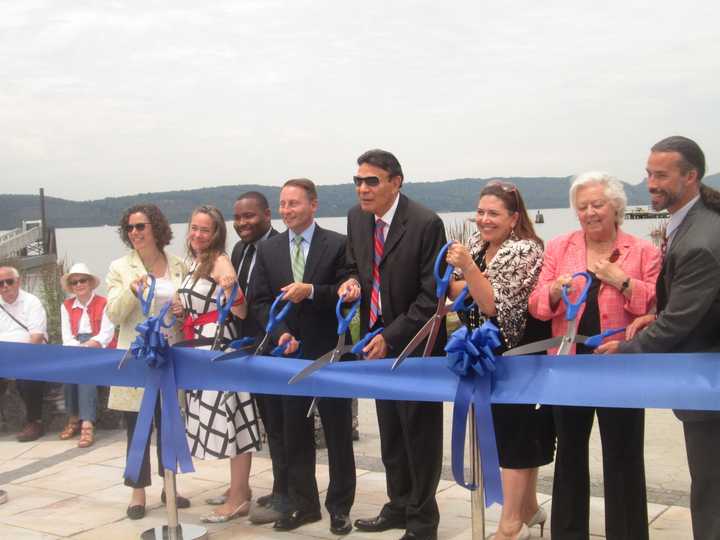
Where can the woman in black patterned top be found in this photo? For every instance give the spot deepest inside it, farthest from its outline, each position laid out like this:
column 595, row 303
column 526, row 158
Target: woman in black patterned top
column 501, row 265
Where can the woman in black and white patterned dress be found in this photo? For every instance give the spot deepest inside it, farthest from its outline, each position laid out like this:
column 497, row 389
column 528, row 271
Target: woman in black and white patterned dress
column 501, row 265
column 219, row 424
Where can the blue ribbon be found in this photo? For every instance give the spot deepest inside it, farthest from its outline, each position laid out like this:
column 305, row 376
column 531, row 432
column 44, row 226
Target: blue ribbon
column 661, row 381
column 151, row 346
column 470, row 357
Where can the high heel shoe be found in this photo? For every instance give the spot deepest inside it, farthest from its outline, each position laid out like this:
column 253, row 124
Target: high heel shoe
column 214, row 517
column 523, row 534
column 539, row 518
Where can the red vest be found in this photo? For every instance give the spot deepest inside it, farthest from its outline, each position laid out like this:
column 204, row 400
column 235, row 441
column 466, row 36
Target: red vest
column 95, row 310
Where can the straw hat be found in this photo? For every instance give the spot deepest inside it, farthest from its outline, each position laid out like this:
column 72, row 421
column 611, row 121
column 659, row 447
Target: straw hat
column 79, row 269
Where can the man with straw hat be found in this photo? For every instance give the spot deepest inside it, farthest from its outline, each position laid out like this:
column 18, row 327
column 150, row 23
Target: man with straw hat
column 84, row 324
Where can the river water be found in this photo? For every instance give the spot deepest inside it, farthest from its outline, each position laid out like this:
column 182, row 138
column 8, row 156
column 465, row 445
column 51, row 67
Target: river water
column 98, row 246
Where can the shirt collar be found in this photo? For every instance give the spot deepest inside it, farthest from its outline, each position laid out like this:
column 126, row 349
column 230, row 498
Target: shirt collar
column 388, row 216
column 676, row 218
column 307, row 234
column 77, row 304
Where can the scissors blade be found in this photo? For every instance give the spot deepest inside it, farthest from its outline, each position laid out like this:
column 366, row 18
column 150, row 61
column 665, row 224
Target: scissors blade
column 568, row 338
column 313, row 406
column 263, row 345
column 124, row 359
column 415, row 342
column 432, row 337
column 535, row 347
column 312, row 368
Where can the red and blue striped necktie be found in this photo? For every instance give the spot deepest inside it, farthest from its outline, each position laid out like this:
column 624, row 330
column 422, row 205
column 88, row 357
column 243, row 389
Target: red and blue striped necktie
column 379, row 249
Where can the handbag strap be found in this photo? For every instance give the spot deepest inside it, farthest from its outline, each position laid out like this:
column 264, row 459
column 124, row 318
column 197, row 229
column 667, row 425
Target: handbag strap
column 14, row 319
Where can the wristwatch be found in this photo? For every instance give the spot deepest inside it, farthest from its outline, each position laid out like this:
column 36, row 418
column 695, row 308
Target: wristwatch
column 625, row 285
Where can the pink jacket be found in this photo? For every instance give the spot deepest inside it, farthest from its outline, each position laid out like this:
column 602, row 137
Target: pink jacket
column 566, row 254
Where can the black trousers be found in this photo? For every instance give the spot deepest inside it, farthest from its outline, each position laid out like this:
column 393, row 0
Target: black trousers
column 130, row 421
column 299, row 444
column 271, row 412
column 32, row 393
column 411, row 444
column 622, row 434
column 702, row 441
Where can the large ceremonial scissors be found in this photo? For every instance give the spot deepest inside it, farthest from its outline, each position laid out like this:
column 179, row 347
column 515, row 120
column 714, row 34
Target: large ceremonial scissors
column 276, row 315
column 341, row 348
column 431, row 328
column 565, row 342
column 333, row 355
column 145, row 304
column 223, row 310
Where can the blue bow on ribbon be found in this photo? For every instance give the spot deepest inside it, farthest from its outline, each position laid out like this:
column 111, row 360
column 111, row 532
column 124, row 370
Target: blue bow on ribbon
column 151, row 346
column 470, row 357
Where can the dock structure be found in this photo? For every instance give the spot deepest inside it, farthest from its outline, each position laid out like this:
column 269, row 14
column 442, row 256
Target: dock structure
column 644, row 213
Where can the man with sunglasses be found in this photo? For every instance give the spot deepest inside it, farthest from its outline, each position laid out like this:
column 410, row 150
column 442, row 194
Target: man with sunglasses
column 23, row 320
column 392, row 243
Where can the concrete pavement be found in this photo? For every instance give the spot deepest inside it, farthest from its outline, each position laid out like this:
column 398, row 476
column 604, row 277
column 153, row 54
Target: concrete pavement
column 59, row 491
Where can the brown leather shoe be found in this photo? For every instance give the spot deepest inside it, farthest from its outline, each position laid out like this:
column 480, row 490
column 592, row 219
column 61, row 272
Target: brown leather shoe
column 71, row 429
column 87, row 436
column 31, row 432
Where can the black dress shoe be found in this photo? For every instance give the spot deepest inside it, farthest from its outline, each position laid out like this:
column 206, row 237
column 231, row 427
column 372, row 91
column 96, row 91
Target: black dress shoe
column 295, row 519
column 135, row 512
column 180, row 501
column 379, row 523
column 340, row 523
column 265, row 500
column 409, row 535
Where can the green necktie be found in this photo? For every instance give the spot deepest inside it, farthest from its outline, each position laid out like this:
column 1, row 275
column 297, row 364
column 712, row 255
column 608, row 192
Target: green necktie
column 298, row 260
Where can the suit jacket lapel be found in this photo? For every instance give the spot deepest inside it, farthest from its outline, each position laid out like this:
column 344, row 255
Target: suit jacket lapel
column 397, row 228
column 318, row 246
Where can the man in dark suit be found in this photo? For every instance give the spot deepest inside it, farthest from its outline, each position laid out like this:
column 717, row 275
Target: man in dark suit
column 391, row 248
column 307, row 263
column 688, row 305
column 252, row 223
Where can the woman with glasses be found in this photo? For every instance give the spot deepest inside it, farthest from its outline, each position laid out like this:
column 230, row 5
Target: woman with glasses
column 144, row 229
column 83, row 323
column 623, row 270
column 219, row 424
column 500, row 266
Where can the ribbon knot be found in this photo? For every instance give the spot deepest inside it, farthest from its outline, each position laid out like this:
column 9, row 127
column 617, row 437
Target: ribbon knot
column 470, row 356
column 152, row 347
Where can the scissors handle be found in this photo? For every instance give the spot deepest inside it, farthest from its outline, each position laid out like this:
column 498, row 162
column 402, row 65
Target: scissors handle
column 344, row 322
column 360, row 345
column 572, row 307
column 596, row 340
column 459, row 303
column 441, row 282
column 224, row 309
column 275, row 316
column 145, row 304
column 280, row 350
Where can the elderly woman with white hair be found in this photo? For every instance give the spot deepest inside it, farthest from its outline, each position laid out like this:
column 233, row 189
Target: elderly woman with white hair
column 624, row 269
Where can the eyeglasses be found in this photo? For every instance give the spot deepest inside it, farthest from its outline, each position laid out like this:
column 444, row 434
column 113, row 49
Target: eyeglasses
column 508, row 188
column 139, row 227
column 78, row 281
column 9, row 282
column 370, row 181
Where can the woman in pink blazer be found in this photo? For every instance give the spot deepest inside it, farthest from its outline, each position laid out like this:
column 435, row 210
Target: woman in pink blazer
column 624, row 270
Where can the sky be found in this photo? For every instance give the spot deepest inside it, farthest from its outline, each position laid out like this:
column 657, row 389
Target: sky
column 100, row 99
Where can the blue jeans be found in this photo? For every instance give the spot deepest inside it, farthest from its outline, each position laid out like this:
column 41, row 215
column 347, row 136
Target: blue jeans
column 81, row 400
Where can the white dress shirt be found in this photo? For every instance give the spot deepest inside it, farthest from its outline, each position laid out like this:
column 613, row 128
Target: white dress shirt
column 27, row 309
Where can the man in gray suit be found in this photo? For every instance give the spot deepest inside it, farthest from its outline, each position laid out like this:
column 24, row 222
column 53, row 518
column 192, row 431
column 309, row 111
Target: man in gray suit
column 688, row 305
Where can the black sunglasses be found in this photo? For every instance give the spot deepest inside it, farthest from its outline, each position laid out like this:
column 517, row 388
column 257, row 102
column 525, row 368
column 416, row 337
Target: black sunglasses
column 78, row 281
column 9, row 282
column 140, row 227
column 370, row 181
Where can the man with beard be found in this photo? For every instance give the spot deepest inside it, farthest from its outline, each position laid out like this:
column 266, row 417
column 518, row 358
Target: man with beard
column 688, row 305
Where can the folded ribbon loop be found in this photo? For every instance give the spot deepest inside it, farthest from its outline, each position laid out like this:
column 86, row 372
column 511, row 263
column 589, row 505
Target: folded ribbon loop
column 151, row 346
column 471, row 358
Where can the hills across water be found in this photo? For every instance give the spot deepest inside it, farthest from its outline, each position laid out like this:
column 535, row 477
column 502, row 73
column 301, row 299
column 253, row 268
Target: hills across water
column 459, row 195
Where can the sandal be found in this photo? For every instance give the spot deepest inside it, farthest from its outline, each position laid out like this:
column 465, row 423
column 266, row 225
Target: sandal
column 71, row 429
column 87, row 436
